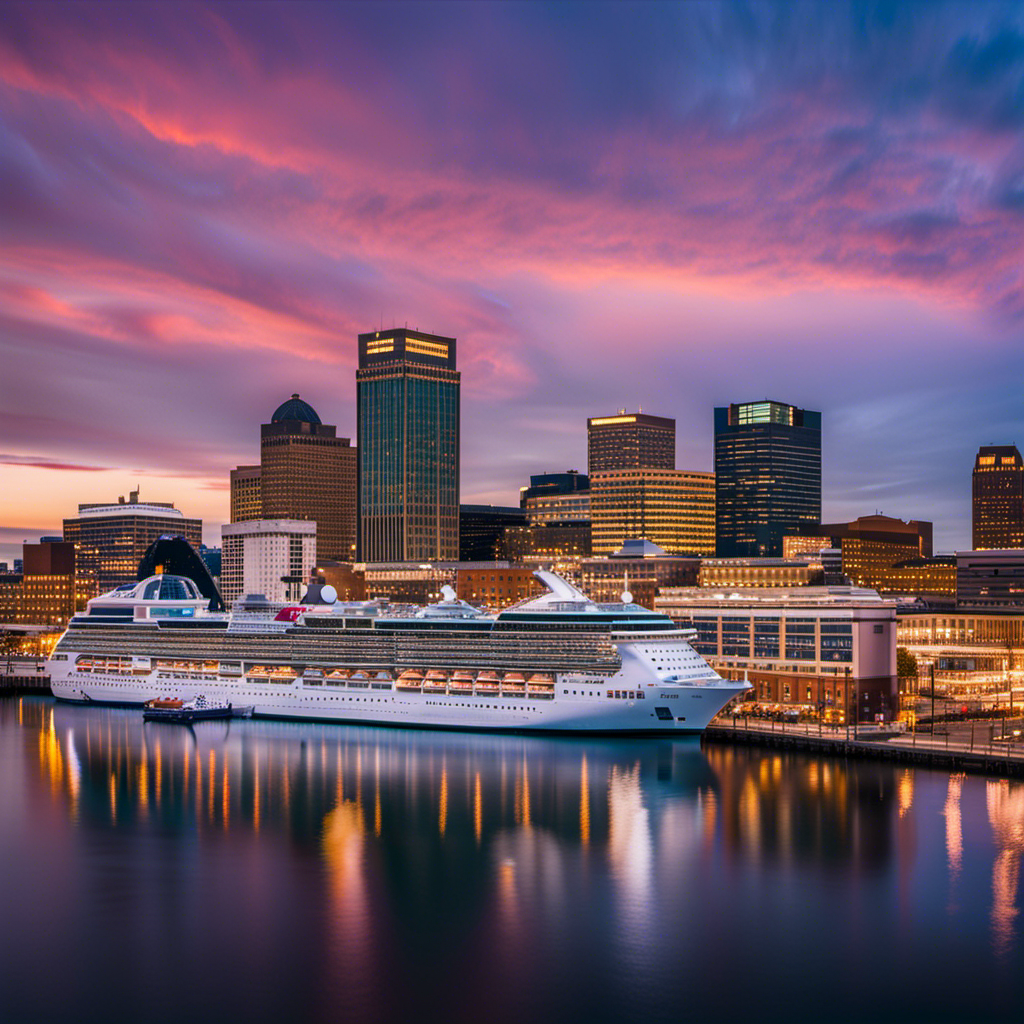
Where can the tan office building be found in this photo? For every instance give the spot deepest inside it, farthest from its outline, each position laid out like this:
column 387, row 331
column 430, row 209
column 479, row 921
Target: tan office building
column 673, row 508
column 308, row 472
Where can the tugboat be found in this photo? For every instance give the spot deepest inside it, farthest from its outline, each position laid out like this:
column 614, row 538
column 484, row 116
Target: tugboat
column 174, row 710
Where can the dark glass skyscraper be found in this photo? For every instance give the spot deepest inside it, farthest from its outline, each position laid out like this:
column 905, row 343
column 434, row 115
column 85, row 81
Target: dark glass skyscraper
column 767, row 476
column 407, row 415
column 997, row 498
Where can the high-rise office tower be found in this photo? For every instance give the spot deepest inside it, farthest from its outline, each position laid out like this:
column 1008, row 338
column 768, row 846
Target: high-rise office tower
column 407, row 415
column 308, row 472
column 997, row 498
column 110, row 540
column 767, row 476
column 630, row 441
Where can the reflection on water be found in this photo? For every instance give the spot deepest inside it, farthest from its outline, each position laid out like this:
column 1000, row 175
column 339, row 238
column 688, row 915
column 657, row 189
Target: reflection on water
column 386, row 874
column 1005, row 802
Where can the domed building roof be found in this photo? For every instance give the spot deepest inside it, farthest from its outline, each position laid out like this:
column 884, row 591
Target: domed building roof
column 295, row 409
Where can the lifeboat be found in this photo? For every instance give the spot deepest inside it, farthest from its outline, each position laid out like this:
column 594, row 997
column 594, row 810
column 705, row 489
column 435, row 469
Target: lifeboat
column 487, row 684
column 461, row 682
column 410, row 679
column 513, row 685
column 435, row 682
column 165, row 703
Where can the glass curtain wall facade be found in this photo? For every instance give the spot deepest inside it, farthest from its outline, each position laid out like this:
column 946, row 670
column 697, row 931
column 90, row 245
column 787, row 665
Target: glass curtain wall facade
column 767, row 476
column 997, row 498
column 407, row 412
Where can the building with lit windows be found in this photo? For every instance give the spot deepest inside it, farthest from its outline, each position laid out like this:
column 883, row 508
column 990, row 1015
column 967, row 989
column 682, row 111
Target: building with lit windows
column 932, row 579
column 972, row 653
column 110, row 540
column 767, row 476
column 48, row 584
column 272, row 557
column 819, row 649
column 556, row 498
column 10, row 597
column 245, row 494
column 407, row 414
column 492, row 585
column 673, row 508
column 630, row 441
column 990, row 579
column 870, row 545
column 761, row 572
column 495, row 587
column 482, row 531
column 308, row 472
column 997, row 498
column 554, row 545
column 639, row 567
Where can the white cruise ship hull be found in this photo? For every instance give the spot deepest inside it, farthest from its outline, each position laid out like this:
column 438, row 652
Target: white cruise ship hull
column 610, row 708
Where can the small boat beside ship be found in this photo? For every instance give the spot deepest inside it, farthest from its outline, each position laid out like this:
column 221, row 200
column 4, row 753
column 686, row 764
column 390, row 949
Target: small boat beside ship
column 173, row 709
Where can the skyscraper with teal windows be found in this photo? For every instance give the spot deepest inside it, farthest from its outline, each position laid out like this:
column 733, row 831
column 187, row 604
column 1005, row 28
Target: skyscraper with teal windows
column 407, row 416
column 767, row 476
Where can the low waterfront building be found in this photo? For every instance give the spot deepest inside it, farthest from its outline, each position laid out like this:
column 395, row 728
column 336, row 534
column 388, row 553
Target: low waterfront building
column 972, row 653
column 349, row 582
column 932, row 579
column 273, row 557
column 761, row 572
column 496, row 587
column 490, row 584
column 640, row 567
column 110, row 540
column 818, row 649
column 990, row 579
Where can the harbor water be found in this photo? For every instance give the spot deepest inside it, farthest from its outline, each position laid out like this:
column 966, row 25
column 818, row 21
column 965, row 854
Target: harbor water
column 269, row 871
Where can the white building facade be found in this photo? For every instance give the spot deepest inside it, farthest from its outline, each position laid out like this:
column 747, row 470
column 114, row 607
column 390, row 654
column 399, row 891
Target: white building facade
column 819, row 649
column 273, row 557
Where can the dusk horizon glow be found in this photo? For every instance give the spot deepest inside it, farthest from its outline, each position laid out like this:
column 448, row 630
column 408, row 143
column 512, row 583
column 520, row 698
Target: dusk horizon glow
column 657, row 206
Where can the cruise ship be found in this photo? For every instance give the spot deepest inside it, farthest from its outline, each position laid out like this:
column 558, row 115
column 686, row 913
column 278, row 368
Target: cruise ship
column 558, row 662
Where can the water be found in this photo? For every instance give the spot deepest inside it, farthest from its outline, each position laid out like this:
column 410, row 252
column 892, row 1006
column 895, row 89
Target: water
column 285, row 872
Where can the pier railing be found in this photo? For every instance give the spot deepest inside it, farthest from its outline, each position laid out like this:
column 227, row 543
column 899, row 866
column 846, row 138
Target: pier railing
column 990, row 747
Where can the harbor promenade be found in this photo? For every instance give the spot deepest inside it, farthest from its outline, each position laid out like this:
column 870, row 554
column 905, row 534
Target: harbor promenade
column 994, row 747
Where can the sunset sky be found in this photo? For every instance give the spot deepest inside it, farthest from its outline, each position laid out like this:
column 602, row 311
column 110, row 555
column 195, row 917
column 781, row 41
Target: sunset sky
column 622, row 205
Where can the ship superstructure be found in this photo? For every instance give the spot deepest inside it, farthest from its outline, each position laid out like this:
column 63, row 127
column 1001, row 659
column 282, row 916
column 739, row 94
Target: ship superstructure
column 555, row 662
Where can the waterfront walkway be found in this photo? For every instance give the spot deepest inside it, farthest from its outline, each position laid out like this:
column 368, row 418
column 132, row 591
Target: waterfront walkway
column 985, row 747
column 23, row 675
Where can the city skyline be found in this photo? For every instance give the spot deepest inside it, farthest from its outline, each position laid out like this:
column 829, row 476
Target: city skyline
column 754, row 209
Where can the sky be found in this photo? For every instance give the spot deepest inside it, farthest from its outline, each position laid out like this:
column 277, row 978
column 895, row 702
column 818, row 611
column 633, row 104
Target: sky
column 631, row 205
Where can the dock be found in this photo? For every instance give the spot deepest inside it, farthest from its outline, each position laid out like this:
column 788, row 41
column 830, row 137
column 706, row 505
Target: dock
column 23, row 675
column 975, row 747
